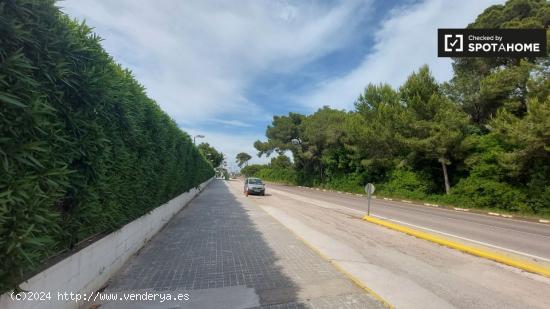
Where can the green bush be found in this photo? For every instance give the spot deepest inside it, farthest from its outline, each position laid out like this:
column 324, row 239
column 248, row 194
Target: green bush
column 488, row 193
column 283, row 175
column 83, row 150
column 349, row 183
column 252, row 170
column 538, row 202
column 406, row 183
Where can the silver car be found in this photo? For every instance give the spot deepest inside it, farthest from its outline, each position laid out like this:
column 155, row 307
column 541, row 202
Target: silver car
column 254, row 186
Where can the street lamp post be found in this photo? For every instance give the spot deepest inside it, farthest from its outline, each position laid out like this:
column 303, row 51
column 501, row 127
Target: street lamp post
column 197, row 136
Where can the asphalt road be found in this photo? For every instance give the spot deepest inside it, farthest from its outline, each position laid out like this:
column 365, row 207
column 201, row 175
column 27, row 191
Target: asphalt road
column 528, row 239
column 405, row 271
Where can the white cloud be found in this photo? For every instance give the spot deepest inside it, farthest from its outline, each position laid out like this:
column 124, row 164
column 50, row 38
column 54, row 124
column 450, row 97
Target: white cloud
column 199, row 58
column 232, row 122
column 406, row 40
column 196, row 57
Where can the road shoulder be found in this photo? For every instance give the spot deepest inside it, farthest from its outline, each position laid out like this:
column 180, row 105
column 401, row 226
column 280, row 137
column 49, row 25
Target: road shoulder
column 406, row 271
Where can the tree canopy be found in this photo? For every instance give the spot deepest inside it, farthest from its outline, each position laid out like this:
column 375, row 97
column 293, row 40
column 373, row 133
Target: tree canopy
column 211, row 154
column 242, row 158
column 479, row 140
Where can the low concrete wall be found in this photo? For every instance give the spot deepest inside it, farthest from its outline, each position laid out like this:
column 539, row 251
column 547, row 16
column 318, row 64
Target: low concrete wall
column 88, row 270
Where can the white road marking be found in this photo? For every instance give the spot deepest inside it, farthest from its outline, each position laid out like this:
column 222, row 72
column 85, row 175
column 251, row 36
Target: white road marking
column 483, row 224
column 509, row 217
column 541, row 221
column 481, row 215
column 312, row 201
column 464, row 238
column 460, row 209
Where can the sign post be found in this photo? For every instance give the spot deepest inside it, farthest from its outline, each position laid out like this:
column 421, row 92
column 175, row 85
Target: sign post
column 369, row 189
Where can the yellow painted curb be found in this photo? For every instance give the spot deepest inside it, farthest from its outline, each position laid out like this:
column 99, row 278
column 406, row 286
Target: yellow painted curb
column 530, row 267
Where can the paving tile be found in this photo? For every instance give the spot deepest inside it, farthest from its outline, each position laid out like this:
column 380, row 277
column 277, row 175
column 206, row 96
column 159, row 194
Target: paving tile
column 220, row 243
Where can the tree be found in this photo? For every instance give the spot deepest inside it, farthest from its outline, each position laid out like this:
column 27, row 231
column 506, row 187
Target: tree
column 528, row 137
column 484, row 133
column 242, row 159
column 281, row 134
column 516, row 14
column 371, row 132
column 315, row 141
column 211, row 154
column 416, row 94
column 436, row 126
column 281, row 162
column 483, row 85
column 465, row 90
column 440, row 137
column 322, row 145
column 376, row 98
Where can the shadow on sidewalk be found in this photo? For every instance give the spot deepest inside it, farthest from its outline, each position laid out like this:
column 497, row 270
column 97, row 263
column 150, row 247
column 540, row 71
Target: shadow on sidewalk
column 213, row 251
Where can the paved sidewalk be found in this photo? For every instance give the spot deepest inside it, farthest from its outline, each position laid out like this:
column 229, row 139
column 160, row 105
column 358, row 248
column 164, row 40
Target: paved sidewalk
column 225, row 252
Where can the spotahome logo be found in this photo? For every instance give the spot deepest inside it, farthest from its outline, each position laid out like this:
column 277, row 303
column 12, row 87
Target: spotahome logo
column 491, row 42
column 454, row 42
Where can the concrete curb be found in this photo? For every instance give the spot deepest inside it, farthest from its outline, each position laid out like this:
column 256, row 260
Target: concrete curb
column 527, row 266
column 357, row 282
column 90, row 268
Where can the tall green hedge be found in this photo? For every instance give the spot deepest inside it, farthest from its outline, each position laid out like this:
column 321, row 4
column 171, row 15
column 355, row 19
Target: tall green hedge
column 83, row 150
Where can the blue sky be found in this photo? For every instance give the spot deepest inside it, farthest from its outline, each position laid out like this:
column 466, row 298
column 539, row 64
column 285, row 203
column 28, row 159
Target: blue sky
column 224, row 68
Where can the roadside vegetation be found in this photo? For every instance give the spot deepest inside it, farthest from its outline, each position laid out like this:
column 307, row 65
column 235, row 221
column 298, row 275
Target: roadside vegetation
column 211, row 154
column 480, row 140
column 83, row 150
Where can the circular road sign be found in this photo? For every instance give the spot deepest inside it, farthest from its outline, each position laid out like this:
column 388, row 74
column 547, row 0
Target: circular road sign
column 369, row 188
